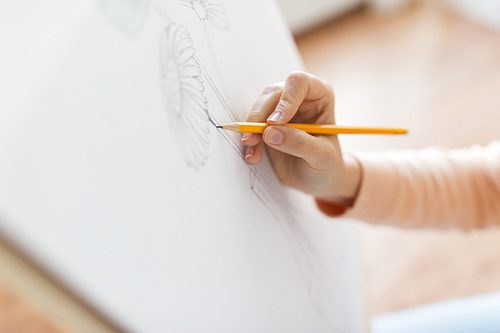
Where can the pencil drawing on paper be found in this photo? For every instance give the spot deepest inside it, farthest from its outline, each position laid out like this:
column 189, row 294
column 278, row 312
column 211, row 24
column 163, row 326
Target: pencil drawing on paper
column 209, row 11
column 182, row 88
column 214, row 13
column 183, row 76
column 128, row 15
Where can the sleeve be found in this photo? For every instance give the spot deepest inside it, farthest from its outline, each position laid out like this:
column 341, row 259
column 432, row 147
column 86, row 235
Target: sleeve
column 434, row 187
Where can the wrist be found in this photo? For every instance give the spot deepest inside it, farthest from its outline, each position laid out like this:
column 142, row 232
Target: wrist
column 352, row 177
column 344, row 190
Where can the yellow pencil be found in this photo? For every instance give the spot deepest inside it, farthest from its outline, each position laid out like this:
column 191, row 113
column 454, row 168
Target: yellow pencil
column 247, row 127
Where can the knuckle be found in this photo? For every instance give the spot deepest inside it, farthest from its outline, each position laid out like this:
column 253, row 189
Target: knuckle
column 286, row 102
column 329, row 87
column 255, row 113
column 297, row 76
column 272, row 89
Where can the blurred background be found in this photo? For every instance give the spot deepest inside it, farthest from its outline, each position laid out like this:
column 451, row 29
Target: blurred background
column 433, row 66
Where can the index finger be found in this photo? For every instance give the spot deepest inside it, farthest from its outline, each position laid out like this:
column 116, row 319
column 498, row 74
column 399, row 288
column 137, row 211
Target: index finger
column 299, row 87
column 266, row 103
column 262, row 108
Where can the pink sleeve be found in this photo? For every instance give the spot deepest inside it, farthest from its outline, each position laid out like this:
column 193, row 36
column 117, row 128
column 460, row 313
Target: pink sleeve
column 434, row 187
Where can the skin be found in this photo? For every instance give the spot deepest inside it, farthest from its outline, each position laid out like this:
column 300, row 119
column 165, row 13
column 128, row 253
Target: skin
column 312, row 164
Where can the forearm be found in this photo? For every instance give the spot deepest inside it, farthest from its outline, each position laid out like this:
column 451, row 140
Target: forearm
column 430, row 188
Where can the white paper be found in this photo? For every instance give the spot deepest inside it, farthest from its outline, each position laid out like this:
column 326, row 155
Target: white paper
column 117, row 181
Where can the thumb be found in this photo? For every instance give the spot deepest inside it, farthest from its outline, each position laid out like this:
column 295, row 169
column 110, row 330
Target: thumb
column 317, row 152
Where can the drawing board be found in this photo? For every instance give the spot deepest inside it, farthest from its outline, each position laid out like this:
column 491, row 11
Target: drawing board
column 114, row 178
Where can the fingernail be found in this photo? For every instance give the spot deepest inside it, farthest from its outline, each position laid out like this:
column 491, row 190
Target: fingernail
column 274, row 136
column 249, row 152
column 275, row 116
column 246, row 137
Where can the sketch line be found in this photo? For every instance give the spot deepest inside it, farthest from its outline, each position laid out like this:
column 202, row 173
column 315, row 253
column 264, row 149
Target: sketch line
column 232, row 114
column 182, row 88
column 182, row 77
column 225, row 106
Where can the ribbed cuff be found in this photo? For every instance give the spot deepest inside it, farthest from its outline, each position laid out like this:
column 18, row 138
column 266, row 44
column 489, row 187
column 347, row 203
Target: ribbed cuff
column 330, row 209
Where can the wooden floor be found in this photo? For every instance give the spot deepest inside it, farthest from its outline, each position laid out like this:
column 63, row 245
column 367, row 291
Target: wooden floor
column 17, row 315
column 438, row 73
column 430, row 69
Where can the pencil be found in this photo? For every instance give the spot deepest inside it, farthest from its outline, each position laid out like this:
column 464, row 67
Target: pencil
column 247, row 127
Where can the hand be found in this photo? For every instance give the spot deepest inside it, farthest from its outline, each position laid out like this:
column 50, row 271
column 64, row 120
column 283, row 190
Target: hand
column 312, row 164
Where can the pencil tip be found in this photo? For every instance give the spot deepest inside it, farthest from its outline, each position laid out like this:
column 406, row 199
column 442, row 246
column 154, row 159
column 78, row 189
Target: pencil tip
column 218, row 126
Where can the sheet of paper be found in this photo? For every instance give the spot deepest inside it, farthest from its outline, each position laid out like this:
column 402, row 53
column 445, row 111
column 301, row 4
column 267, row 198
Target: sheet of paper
column 116, row 180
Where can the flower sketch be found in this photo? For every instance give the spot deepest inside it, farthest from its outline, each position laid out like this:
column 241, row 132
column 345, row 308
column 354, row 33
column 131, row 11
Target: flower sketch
column 128, row 15
column 209, row 11
column 214, row 13
column 182, row 76
column 182, row 87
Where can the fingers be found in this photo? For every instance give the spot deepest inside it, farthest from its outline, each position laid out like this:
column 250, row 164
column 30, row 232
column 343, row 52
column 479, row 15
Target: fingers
column 253, row 154
column 317, row 152
column 262, row 108
column 266, row 103
column 299, row 87
column 302, row 95
column 249, row 139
